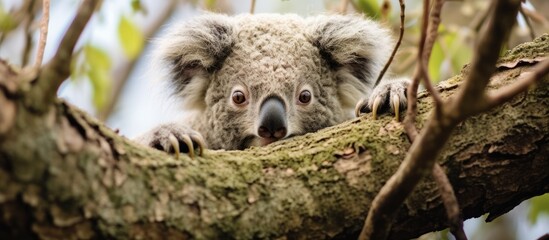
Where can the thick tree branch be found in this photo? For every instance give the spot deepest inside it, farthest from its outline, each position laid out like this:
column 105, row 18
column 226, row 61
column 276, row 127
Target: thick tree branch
column 64, row 175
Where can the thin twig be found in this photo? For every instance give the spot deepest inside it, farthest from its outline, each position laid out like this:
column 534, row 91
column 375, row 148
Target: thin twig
column 468, row 101
column 528, row 23
column 252, row 7
column 58, row 68
column 445, row 188
column 535, row 16
column 450, row 202
column 411, row 110
column 426, row 148
column 429, row 43
column 29, row 18
column 401, row 33
column 43, row 32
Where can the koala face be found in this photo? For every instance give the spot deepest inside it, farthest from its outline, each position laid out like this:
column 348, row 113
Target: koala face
column 255, row 79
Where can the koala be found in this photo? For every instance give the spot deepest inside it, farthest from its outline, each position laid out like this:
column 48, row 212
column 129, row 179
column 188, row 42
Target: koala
column 255, row 79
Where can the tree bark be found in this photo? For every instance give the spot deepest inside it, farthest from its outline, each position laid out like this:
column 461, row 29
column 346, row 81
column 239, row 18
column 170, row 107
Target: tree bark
column 64, row 175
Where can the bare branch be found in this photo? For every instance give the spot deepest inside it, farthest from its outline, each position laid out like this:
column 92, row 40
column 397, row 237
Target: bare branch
column 411, row 110
column 535, row 16
column 28, row 19
column 58, row 68
column 429, row 43
column 450, row 202
column 401, row 33
column 43, row 32
column 426, row 148
column 467, row 101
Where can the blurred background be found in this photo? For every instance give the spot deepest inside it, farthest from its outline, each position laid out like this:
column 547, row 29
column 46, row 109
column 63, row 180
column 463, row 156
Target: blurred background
column 111, row 77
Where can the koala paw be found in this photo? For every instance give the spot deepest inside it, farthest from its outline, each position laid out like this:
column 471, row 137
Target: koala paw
column 388, row 96
column 174, row 138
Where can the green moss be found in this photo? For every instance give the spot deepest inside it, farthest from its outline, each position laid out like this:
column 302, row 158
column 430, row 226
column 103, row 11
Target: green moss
column 529, row 50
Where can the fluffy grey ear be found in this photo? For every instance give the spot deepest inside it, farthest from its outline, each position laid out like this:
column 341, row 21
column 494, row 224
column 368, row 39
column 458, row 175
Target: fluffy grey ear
column 355, row 47
column 191, row 52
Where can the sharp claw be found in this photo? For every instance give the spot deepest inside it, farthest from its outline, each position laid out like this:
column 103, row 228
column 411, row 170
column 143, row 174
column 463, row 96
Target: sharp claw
column 175, row 144
column 375, row 106
column 201, row 143
column 358, row 107
column 396, row 107
column 189, row 143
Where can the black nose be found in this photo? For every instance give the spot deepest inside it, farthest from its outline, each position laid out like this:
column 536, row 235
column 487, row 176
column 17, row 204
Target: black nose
column 272, row 119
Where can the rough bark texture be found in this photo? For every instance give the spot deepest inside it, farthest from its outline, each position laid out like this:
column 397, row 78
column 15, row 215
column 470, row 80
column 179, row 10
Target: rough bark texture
column 65, row 175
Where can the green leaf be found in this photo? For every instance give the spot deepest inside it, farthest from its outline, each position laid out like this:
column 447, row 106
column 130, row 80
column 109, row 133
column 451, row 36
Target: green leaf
column 97, row 58
column 101, row 84
column 458, row 52
column 97, row 68
column 6, row 21
column 136, row 5
column 538, row 205
column 369, row 7
column 435, row 62
column 130, row 37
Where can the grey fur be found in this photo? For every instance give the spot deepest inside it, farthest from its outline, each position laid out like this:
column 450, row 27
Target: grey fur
column 335, row 57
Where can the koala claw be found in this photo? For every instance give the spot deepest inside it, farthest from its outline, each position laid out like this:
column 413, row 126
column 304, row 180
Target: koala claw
column 190, row 141
column 375, row 106
column 396, row 107
column 172, row 138
column 389, row 96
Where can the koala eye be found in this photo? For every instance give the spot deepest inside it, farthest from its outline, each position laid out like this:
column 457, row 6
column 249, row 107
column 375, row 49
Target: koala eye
column 238, row 97
column 304, row 97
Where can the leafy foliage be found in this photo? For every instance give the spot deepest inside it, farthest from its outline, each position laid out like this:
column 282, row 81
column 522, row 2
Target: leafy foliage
column 95, row 64
column 6, row 21
column 539, row 205
column 369, row 7
column 131, row 38
column 98, row 73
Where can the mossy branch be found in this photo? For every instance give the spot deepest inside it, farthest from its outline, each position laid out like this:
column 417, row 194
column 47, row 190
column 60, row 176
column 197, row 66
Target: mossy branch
column 65, row 175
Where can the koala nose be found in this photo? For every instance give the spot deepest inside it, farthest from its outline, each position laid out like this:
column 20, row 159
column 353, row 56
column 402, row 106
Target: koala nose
column 272, row 119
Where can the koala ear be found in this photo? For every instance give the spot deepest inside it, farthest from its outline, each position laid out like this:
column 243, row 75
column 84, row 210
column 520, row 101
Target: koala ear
column 191, row 52
column 355, row 47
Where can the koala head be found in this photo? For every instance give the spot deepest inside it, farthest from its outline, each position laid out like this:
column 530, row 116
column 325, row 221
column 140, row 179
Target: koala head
column 255, row 79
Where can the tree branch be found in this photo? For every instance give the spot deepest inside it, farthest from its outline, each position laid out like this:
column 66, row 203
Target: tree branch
column 58, row 68
column 43, row 32
column 523, row 83
column 64, row 175
column 426, row 148
column 484, row 62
